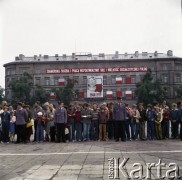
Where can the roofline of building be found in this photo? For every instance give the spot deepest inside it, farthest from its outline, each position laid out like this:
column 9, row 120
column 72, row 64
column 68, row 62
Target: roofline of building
column 79, row 58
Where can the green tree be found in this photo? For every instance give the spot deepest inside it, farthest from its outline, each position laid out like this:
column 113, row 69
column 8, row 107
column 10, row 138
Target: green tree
column 179, row 91
column 21, row 88
column 66, row 93
column 149, row 91
column 1, row 94
column 40, row 94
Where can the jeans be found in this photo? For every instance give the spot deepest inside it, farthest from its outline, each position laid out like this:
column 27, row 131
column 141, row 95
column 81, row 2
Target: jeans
column 86, row 131
column 127, row 129
column 150, row 130
column 39, row 133
column 71, row 126
column 78, row 127
column 94, row 129
column 136, row 129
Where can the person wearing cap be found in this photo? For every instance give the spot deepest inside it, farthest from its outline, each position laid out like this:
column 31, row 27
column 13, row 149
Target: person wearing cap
column 119, row 115
column 21, row 120
column 60, row 117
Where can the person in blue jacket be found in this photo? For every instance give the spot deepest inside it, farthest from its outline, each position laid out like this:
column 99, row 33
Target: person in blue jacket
column 151, row 116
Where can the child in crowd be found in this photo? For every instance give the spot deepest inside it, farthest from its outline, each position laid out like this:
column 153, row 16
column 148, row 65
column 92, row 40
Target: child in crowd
column 12, row 126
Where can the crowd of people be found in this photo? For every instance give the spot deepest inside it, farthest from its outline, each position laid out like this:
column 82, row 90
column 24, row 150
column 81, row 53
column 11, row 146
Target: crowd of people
column 89, row 122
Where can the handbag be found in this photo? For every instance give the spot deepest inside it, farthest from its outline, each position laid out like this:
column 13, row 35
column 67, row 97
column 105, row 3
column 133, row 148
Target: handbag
column 66, row 131
column 29, row 124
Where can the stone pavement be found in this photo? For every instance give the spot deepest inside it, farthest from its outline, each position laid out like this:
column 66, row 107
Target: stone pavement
column 87, row 160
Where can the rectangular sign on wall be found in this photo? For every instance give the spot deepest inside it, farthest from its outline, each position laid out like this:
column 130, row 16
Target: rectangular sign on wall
column 94, row 86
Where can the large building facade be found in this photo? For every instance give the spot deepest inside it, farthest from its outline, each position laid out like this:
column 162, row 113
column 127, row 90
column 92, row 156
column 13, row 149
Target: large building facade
column 98, row 77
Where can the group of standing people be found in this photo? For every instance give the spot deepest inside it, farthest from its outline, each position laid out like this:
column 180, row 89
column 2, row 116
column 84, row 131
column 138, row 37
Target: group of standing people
column 113, row 121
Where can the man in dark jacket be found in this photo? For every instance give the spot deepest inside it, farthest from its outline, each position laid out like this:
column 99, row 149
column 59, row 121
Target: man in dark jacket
column 119, row 115
column 142, row 121
column 21, row 120
column 60, row 117
column 5, row 120
column 180, row 118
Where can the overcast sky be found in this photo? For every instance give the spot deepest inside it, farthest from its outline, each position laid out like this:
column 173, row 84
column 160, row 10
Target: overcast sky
column 52, row 27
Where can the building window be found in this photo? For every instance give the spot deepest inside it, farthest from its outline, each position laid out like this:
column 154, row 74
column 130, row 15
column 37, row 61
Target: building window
column 166, row 66
column 37, row 81
column 37, row 71
column 10, row 71
column 24, row 69
column 56, row 81
column 13, row 72
column 47, row 81
column 178, row 67
column 104, row 80
column 178, row 78
column 76, row 78
column 84, row 80
column 113, row 79
column 133, row 79
column 123, row 79
column 165, row 78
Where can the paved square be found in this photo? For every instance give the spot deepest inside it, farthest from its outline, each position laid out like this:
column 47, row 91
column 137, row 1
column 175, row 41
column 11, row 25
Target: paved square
column 86, row 160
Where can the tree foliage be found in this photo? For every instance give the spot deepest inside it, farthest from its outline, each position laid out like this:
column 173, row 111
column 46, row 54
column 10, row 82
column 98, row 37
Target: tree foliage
column 66, row 93
column 179, row 91
column 149, row 91
column 40, row 94
column 21, row 88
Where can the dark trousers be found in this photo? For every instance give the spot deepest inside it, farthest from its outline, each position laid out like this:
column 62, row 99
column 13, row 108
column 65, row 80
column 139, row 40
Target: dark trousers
column 119, row 129
column 78, row 127
column 95, row 130
column 110, row 129
column 71, row 126
column 181, row 130
column 165, row 129
column 174, row 126
column 21, row 133
column 5, row 132
column 35, row 127
column 53, row 133
column 150, row 130
column 60, row 127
